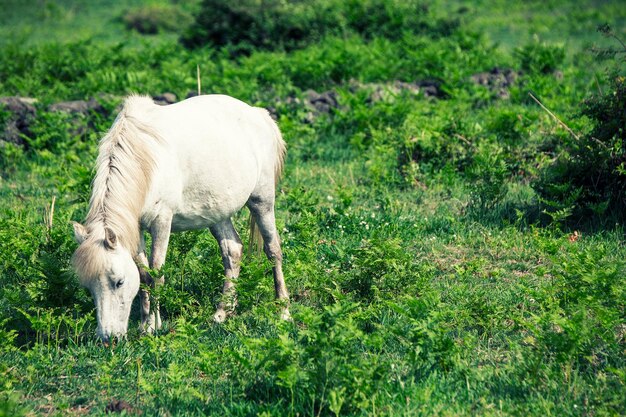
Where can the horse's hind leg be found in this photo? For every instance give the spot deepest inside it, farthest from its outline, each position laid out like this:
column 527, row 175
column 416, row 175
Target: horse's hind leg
column 232, row 250
column 262, row 211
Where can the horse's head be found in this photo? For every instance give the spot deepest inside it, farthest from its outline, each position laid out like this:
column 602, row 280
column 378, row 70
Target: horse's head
column 108, row 270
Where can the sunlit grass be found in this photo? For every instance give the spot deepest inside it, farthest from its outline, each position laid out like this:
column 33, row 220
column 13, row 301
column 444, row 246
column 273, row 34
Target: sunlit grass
column 424, row 278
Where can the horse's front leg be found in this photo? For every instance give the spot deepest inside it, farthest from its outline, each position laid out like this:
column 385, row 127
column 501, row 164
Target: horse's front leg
column 144, row 295
column 160, row 231
column 232, row 250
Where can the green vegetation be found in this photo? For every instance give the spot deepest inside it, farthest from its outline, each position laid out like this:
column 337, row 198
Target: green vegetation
column 450, row 247
column 274, row 24
column 589, row 177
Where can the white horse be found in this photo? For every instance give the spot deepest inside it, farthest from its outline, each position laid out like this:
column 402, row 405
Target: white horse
column 163, row 169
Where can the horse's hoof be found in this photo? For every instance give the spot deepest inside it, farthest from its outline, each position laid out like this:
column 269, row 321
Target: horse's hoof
column 147, row 328
column 151, row 324
column 219, row 316
column 284, row 315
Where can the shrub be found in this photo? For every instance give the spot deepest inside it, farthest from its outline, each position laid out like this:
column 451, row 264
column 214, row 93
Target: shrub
column 380, row 266
column 589, row 177
column 584, row 322
column 265, row 24
column 540, row 58
column 152, row 19
column 276, row 24
column 487, row 174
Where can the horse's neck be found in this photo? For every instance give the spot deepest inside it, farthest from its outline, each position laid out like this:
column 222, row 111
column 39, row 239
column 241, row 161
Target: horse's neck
column 125, row 167
column 129, row 239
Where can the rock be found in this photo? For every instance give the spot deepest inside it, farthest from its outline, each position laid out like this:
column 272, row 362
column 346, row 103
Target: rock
column 19, row 105
column 326, row 102
column 319, row 103
column 117, row 406
column 21, row 114
column 79, row 111
column 431, row 88
column 386, row 91
column 497, row 80
column 165, row 98
column 77, row 107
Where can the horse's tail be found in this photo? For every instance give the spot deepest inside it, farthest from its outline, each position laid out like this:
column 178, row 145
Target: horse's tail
column 255, row 246
column 281, row 151
column 256, row 240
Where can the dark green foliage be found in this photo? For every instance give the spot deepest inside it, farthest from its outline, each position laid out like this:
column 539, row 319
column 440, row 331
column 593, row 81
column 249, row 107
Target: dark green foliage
column 9, row 407
column 275, row 24
column 589, row 176
column 152, row 19
column 487, row 174
column 250, row 24
column 540, row 58
column 589, row 297
column 378, row 269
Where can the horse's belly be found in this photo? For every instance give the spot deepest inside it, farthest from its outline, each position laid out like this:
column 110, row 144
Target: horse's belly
column 201, row 207
column 199, row 218
column 191, row 221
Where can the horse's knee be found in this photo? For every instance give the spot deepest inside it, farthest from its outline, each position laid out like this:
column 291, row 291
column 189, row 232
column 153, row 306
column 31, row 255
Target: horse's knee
column 231, row 249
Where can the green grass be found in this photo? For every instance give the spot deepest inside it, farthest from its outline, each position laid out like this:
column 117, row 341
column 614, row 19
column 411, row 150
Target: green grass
column 63, row 21
column 514, row 24
column 424, row 278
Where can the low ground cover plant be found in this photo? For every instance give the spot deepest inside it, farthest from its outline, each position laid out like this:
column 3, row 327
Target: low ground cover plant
column 447, row 243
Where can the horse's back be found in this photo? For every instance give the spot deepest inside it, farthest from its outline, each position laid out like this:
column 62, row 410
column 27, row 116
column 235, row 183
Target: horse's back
column 216, row 152
column 214, row 122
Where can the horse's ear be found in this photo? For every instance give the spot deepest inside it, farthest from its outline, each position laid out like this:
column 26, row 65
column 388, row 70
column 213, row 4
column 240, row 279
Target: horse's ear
column 80, row 232
column 110, row 240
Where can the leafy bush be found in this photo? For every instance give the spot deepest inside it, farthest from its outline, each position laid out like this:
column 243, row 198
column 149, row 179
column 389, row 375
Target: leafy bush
column 152, row 19
column 487, row 174
column 584, row 321
column 36, row 272
column 589, row 176
column 333, row 361
column 540, row 58
column 380, row 266
column 276, row 24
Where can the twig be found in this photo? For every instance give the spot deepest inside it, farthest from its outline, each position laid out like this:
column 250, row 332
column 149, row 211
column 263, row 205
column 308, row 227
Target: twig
column 595, row 77
column 198, row 78
column 351, row 175
column 596, row 140
column 555, row 117
column 612, row 35
column 330, row 177
column 138, row 381
column 463, row 138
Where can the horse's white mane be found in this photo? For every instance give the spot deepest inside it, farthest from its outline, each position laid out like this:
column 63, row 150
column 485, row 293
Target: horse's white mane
column 124, row 168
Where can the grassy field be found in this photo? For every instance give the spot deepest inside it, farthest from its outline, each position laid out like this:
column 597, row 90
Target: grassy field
column 427, row 274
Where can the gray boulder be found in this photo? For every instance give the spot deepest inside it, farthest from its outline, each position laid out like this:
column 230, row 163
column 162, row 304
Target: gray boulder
column 21, row 113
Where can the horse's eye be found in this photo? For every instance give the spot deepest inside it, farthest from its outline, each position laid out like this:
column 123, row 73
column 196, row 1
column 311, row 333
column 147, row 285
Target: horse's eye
column 119, row 283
